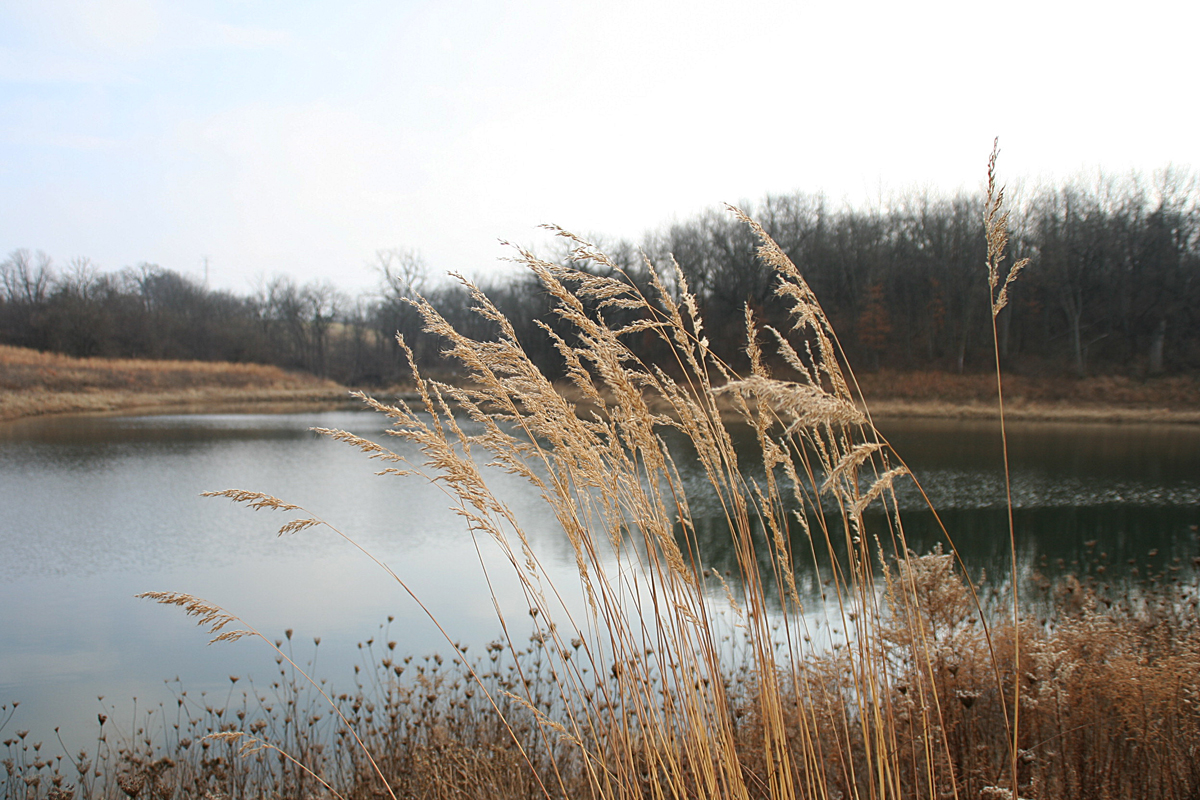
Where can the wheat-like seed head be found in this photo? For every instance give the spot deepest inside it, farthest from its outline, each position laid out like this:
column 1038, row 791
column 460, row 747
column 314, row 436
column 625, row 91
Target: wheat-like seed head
column 248, row 745
column 995, row 222
column 798, row 405
column 207, row 615
column 882, row 483
column 256, row 500
column 297, row 525
column 850, row 462
column 373, row 450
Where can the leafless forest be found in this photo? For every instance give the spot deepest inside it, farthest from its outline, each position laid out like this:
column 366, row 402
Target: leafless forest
column 1112, row 289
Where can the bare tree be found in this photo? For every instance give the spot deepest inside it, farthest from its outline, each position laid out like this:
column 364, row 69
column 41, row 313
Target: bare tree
column 26, row 277
column 404, row 271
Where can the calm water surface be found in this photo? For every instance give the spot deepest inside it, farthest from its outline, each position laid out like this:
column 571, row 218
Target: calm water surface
column 95, row 509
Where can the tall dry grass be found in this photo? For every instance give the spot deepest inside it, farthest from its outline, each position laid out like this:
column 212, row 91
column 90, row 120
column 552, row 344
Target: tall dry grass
column 642, row 689
column 1111, row 686
column 665, row 719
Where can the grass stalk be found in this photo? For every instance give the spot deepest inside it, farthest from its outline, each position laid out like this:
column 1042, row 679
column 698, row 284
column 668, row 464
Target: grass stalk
column 996, row 231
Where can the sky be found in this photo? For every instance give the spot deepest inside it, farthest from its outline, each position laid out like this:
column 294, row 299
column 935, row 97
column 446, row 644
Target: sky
column 301, row 137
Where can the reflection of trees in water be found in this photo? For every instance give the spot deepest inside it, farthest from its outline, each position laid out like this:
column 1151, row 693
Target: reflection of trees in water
column 1100, row 524
column 1119, row 544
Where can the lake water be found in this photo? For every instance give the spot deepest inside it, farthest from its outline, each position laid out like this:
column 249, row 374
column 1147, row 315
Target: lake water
column 96, row 509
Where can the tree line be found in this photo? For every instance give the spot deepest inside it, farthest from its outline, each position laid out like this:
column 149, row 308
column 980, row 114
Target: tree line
column 1113, row 287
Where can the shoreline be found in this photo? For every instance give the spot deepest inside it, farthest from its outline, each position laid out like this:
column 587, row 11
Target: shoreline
column 34, row 384
column 1032, row 412
column 29, row 405
column 24, row 406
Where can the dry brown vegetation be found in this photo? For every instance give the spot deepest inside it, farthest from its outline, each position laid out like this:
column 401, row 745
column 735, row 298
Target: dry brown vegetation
column 34, row 383
column 1112, row 685
column 1099, row 398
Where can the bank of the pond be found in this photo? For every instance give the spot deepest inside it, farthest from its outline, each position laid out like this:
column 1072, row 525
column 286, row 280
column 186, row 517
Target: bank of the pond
column 216, row 399
column 1100, row 398
column 1033, row 412
column 36, row 384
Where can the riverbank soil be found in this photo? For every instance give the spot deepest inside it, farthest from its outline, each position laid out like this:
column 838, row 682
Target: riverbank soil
column 34, row 383
column 1101, row 398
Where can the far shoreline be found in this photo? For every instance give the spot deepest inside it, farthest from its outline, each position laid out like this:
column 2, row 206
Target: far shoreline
column 35, row 384
column 24, row 406
column 1032, row 412
column 32, row 405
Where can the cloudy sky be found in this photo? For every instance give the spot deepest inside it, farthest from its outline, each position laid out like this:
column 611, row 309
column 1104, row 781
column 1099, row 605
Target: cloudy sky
column 300, row 137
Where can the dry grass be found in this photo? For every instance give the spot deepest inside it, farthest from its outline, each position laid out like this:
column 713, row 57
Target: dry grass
column 1111, row 687
column 1100, row 398
column 634, row 693
column 34, row 383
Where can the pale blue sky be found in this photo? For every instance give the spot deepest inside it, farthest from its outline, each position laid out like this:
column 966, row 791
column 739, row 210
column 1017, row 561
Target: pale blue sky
column 301, row 137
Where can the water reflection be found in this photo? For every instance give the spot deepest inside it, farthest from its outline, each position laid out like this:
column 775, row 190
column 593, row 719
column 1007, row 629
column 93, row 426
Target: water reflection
column 1121, row 501
column 1122, row 542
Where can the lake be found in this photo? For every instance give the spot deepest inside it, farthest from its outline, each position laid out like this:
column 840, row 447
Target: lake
column 96, row 509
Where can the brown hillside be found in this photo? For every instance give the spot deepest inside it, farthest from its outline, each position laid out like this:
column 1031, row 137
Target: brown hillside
column 33, row 383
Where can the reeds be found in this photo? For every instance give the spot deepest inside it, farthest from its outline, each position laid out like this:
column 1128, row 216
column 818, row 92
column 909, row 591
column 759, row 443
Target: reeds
column 662, row 720
column 1110, row 693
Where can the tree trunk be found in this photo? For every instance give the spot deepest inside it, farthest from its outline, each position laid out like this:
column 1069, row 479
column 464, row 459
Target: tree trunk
column 1077, row 345
column 1072, row 307
column 1156, row 347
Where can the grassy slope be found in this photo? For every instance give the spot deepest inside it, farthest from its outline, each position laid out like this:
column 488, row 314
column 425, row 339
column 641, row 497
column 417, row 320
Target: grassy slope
column 1100, row 398
column 33, row 383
